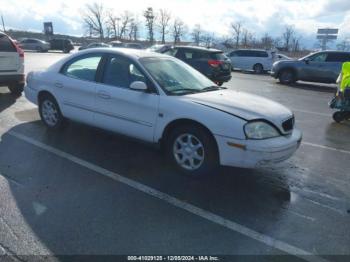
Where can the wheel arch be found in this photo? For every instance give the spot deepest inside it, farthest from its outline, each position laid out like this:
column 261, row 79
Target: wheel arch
column 292, row 69
column 44, row 93
column 182, row 122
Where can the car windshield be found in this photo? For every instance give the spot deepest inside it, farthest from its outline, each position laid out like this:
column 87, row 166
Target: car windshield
column 176, row 77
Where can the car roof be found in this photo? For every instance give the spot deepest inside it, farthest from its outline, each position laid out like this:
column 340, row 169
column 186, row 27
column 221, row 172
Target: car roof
column 132, row 53
column 199, row 48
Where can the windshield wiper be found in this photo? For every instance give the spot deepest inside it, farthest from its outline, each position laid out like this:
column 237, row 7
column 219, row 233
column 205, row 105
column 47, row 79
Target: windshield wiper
column 183, row 91
column 212, row 88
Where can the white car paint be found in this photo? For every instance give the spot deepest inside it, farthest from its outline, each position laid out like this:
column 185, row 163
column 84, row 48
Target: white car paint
column 246, row 59
column 146, row 115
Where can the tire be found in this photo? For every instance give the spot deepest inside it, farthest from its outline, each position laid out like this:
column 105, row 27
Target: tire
column 50, row 112
column 339, row 116
column 39, row 49
column 220, row 83
column 16, row 89
column 258, row 69
column 192, row 142
column 66, row 51
column 287, row 77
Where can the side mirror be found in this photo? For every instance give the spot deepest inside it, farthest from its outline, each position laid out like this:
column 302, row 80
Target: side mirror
column 307, row 60
column 138, row 85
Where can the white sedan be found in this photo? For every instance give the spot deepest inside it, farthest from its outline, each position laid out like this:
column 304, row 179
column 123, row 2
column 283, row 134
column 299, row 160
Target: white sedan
column 161, row 100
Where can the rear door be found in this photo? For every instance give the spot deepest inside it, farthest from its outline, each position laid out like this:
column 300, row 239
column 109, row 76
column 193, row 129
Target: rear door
column 9, row 58
column 75, row 87
column 334, row 63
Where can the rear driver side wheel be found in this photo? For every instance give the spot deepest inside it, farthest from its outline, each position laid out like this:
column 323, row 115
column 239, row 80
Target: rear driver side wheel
column 16, row 89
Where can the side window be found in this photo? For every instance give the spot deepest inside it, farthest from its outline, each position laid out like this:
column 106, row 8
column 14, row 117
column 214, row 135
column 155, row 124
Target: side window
column 171, row 51
column 262, row 54
column 121, row 72
column 84, row 68
column 319, row 57
column 189, row 54
column 6, row 45
column 337, row 57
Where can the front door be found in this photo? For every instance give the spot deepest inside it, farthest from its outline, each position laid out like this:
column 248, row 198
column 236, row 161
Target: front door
column 121, row 109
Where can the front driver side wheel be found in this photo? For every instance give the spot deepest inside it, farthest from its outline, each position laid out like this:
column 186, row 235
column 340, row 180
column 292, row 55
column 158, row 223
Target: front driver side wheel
column 287, row 77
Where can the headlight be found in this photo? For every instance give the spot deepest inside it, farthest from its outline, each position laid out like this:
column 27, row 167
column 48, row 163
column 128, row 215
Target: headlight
column 260, row 130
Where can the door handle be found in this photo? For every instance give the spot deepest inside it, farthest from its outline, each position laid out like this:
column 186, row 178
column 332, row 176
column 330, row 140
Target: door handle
column 59, row 85
column 103, row 95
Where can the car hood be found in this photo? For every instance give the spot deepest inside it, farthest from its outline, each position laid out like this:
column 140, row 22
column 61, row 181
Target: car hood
column 243, row 105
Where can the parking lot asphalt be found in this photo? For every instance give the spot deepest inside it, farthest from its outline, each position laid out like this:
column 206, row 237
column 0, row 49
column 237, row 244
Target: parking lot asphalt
column 87, row 191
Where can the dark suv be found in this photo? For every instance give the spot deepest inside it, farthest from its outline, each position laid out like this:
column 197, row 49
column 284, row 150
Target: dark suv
column 210, row 62
column 322, row 67
column 64, row 45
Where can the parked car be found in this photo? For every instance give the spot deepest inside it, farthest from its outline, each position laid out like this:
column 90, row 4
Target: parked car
column 65, row 45
column 116, row 43
column 210, row 62
column 162, row 100
column 159, row 48
column 281, row 57
column 251, row 59
column 34, row 44
column 11, row 65
column 323, row 67
column 94, row 45
column 133, row 45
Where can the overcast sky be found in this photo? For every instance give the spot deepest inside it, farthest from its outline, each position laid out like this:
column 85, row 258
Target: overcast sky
column 259, row 16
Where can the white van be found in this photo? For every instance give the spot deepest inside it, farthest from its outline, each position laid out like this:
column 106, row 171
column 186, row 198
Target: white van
column 252, row 59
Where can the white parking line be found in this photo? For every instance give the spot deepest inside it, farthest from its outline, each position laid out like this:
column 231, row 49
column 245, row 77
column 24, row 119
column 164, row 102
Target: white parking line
column 326, row 147
column 267, row 240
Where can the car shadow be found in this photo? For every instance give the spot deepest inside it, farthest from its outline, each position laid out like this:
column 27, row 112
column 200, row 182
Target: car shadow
column 6, row 99
column 326, row 88
column 73, row 210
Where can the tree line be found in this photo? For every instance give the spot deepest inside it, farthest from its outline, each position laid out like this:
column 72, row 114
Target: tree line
column 108, row 24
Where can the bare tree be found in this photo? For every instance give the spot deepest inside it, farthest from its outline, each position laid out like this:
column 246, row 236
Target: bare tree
column 197, row 34
column 246, row 39
column 150, row 18
column 344, row 45
column 94, row 19
column 287, row 36
column 164, row 19
column 237, row 31
column 113, row 24
column 125, row 20
column 266, row 41
column 178, row 30
column 208, row 39
column 295, row 43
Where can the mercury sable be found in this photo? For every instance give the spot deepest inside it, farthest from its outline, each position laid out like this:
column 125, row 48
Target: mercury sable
column 159, row 99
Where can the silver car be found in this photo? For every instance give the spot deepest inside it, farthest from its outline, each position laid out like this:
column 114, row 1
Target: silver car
column 322, row 67
column 35, row 45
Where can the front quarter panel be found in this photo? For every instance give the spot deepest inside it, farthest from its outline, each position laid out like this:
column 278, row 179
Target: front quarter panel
column 173, row 108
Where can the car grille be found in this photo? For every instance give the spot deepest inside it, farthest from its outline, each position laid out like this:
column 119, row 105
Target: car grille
column 288, row 124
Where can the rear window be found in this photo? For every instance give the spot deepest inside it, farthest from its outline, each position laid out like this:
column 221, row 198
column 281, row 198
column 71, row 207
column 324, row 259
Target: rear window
column 217, row 56
column 6, row 44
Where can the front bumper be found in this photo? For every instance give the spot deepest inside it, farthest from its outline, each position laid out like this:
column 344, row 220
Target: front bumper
column 273, row 73
column 256, row 153
column 31, row 94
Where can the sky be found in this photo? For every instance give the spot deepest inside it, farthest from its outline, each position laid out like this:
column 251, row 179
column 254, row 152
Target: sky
column 258, row 16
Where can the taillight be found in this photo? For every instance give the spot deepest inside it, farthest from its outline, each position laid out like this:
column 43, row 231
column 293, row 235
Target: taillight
column 215, row 63
column 18, row 49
